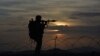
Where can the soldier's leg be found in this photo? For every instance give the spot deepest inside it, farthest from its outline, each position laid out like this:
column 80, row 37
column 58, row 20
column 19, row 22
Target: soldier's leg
column 38, row 46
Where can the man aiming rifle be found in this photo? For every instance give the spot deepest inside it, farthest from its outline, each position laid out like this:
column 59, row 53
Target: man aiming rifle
column 36, row 31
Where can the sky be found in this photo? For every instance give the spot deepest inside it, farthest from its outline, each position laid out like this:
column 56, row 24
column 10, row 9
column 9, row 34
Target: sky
column 15, row 14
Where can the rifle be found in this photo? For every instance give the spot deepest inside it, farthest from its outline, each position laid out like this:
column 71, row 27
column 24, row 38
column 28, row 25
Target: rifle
column 46, row 22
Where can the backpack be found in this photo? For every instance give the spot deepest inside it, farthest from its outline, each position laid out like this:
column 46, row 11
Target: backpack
column 35, row 30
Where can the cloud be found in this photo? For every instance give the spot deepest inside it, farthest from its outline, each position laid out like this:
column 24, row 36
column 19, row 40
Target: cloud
column 76, row 12
column 3, row 12
column 87, row 18
column 82, row 30
column 86, row 14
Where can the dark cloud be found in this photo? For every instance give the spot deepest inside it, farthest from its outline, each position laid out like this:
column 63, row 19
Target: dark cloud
column 9, row 3
column 80, row 30
column 87, row 18
column 12, row 3
column 86, row 14
column 3, row 12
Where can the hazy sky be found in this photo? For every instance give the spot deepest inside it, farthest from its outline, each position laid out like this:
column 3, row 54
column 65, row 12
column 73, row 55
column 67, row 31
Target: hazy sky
column 75, row 12
column 14, row 16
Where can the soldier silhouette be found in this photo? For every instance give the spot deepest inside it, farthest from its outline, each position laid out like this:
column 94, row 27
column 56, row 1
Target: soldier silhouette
column 36, row 30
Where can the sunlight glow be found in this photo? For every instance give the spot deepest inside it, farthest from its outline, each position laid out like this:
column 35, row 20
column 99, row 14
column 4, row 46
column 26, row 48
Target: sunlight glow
column 55, row 30
column 61, row 23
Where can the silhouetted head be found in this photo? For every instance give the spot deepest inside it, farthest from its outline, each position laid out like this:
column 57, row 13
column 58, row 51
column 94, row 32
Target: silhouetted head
column 38, row 18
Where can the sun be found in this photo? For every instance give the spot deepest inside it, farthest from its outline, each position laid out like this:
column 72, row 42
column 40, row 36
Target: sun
column 61, row 23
